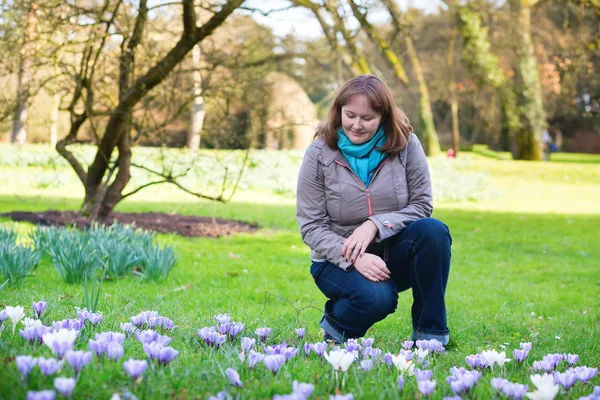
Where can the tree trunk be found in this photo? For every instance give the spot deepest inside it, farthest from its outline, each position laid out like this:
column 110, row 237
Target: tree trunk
column 19, row 129
column 54, row 120
column 197, row 118
column 429, row 134
column 529, row 89
column 452, row 79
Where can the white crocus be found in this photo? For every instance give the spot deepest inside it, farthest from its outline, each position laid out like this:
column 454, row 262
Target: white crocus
column 30, row 322
column 62, row 335
column 15, row 314
column 547, row 389
column 421, row 354
column 493, row 357
column 403, row 365
column 339, row 359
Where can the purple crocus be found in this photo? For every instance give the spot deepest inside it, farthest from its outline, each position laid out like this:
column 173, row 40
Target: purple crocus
column 263, row 333
column 74, row 323
column 128, row 328
column 372, row 352
column 366, row 365
column 572, row 359
column 247, row 344
column 433, row 345
column 60, row 341
column 49, row 366
column 41, row 395
column 422, row 375
column 520, row 355
column 254, row 358
column 388, row 359
column 553, row 359
column 274, row 362
column 584, row 374
column 222, row 318
column 233, row 377
column 319, row 348
column 300, row 332
column 306, row 349
column 525, row 346
column 83, row 314
column 400, row 383
column 515, row 391
column 78, row 359
column 367, row 342
column 65, row 386
column 114, row 351
column 166, row 355
column 3, row 315
column 25, row 364
column 303, row 390
column 408, row 344
column 566, row 379
column 135, row 368
column 39, row 307
column 109, row 336
column 147, row 336
column 234, row 330
column 34, row 333
column 98, row 347
column 426, row 387
column 545, row 365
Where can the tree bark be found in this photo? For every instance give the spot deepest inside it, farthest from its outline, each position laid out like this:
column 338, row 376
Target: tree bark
column 197, row 117
column 54, row 120
column 19, row 128
column 429, row 135
column 455, row 135
column 529, row 89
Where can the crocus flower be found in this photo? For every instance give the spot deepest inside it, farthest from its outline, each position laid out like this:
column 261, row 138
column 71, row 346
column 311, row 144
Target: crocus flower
column 421, row 354
column 14, row 314
column 426, row 387
column 233, row 377
column 235, row 329
column 304, row 390
column 110, row 336
column 49, row 366
column 3, row 315
column 247, row 344
column 520, row 355
column 433, row 345
column 340, row 360
column 403, row 365
column 25, row 364
column 128, row 327
column 572, row 359
column 39, row 307
column 98, row 347
column 34, row 333
column 78, row 359
column 545, row 387
column 366, row 364
column 289, row 352
column 166, row 355
column 352, row 345
column 408, row 344
column 75, row 324
column 476, row 361
column 83, row 314
column 65, row 386
column 372, row 352
column 400, row 383
column 525, row 346
column 300, row 332
column 60, row 341
column 274, row 362
column 584, row 374
column 422, row 375
column 306, row 349
column 263, row 333
column 114, row 351
column 147, row 336
column 319, row 347
column 41, row 395
column 492, row 357
column 553, row 359
column 544, row 365
column 135, row 368
column 222, row 318
column 566, row 379
column 254, row 358
column 95, row 318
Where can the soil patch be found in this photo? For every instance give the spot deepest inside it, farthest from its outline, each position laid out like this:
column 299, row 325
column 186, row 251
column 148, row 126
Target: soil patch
column 185, row 225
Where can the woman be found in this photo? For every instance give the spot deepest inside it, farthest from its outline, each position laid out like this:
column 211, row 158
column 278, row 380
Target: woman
column 363, row 207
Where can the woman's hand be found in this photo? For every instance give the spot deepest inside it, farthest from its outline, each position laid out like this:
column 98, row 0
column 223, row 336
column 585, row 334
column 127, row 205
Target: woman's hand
column 356, row 244
column 372, row 267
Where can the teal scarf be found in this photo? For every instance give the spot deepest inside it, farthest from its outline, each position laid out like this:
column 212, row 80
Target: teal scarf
column 363, row 158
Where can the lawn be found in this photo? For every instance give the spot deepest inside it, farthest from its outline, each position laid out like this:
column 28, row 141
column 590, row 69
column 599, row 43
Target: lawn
column 525, row 267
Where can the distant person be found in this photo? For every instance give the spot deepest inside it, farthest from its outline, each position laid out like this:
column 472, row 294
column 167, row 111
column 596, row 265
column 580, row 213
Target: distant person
column 364, row 205
column 548, row 146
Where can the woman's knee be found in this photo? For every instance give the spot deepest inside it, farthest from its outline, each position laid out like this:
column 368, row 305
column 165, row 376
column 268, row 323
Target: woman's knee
column 376, row 303
column 431, row 231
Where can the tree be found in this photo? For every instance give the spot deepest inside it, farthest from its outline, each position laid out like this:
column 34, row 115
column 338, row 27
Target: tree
column 105, row 179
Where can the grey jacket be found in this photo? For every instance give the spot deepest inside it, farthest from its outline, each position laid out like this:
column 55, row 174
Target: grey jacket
column 332, row 201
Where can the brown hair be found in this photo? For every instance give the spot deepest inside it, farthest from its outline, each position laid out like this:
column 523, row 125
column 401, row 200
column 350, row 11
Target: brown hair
column 395, row 123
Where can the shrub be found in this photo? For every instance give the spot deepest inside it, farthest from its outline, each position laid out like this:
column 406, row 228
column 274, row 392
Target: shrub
column 156, row 263
column 17, row 262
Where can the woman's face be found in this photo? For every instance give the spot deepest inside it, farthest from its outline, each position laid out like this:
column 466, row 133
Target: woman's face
column 359, row 121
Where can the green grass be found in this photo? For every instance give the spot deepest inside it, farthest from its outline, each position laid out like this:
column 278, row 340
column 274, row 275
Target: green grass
column 524, row 268
column 559, row 157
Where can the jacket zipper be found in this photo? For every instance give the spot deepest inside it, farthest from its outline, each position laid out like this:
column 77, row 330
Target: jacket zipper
column 370, row 206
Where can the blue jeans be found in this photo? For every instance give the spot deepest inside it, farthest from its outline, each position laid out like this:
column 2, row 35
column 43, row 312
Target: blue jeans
column 418, row 258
